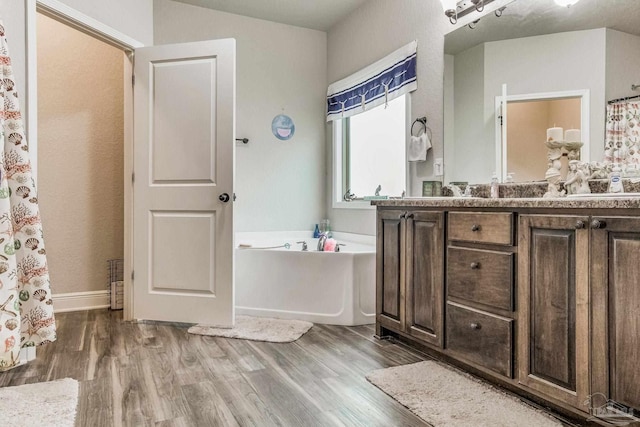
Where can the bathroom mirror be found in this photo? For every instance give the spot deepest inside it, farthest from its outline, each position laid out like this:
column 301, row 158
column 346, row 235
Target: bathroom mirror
column 534, row 47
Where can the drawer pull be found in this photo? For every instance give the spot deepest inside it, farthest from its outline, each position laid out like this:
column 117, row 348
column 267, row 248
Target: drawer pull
column 475, row 227
column 580, row 224
column 475, row 326
column 596, row 223
column 475, row 265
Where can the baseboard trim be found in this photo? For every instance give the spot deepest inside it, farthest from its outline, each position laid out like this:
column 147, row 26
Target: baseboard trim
column 78, row 301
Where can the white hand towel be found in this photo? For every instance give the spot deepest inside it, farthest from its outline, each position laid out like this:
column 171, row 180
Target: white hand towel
column 418, row 147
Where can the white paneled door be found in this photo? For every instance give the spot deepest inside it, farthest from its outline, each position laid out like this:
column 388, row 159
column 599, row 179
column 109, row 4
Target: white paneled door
column 184, row 142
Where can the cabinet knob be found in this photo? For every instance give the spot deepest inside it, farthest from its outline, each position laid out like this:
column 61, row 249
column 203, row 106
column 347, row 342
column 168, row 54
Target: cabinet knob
column 580, row 224
column 475, row 227
column 475, row 265
column 475, row 326
column 596, row 223
column 409, row 215
column 403, row 215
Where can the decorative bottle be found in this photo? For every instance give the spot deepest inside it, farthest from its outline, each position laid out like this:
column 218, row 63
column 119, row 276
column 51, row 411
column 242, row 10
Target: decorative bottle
column 615, row 180
column 495, row 190
column 316, row 232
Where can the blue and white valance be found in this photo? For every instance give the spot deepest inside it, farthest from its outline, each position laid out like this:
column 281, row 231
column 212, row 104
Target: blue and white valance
column 379, row 83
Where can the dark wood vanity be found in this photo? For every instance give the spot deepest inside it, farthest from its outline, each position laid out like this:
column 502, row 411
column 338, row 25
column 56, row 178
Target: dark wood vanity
column 540, row 296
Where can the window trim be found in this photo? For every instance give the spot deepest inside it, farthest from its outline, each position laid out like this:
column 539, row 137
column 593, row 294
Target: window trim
column 339, row 187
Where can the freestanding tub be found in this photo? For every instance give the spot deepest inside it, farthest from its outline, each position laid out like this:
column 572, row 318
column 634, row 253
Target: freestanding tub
column 336, row 288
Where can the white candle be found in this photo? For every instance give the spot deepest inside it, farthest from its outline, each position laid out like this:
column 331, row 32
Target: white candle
column 572, row 135
column 554, row 134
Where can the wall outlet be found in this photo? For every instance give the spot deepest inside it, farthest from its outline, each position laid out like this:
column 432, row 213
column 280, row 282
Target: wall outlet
column 437, row 166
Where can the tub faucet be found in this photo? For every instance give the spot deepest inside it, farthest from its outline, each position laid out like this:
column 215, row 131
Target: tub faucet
column 321, row 241
column 304, row 246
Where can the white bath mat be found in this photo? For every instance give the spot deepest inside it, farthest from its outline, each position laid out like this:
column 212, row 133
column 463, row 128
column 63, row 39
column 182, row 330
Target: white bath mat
column 445, row 397
column 51, row 404
column 257, row 329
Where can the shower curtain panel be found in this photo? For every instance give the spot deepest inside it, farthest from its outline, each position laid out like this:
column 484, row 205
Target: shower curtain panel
column 623, row 124
column 26, row 308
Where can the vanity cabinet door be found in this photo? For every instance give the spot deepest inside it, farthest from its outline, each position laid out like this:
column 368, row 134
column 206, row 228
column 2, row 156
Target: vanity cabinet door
column 615, row 273
column 553, row 303
column 425, row 276
column 390, row 270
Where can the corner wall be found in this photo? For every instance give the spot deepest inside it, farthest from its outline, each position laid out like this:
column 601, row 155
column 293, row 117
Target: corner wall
column 371, row 32
column 81, row 149
column 280, row 185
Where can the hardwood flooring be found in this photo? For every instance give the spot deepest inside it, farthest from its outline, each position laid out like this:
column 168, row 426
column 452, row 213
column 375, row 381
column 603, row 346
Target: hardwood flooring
column 150, row 374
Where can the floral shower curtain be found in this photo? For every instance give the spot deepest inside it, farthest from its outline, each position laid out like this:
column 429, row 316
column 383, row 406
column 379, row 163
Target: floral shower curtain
column 26, row 308
column 623, row 124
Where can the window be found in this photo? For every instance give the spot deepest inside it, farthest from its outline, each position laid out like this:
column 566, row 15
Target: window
column 372, row 146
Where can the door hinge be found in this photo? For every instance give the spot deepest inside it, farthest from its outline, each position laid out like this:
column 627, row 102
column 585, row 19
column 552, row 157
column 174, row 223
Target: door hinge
column 132, row 275
column 133, row 177
column 133, row 79
column 500, row 117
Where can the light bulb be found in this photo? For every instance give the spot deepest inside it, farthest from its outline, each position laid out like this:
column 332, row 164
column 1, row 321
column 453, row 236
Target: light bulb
column 566, row 3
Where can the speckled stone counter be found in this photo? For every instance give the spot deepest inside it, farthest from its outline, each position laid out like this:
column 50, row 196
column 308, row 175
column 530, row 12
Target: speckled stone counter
column 537, row 189
column 515, row 203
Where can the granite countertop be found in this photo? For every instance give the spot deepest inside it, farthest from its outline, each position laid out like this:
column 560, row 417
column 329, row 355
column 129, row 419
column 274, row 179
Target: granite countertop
column 591, row 202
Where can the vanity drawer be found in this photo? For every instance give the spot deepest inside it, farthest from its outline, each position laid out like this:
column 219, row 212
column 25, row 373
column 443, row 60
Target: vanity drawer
column 481, row 227
column 480, row 337
column 481, row 276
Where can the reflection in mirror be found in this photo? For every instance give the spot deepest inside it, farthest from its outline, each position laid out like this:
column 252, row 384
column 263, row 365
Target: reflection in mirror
column 527, row 124
column 534, row 47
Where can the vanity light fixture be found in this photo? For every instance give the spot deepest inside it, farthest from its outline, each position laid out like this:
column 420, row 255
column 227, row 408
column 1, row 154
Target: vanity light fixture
column 566, row 3
column 479, row 5
column 450, row 10
column 455, row 9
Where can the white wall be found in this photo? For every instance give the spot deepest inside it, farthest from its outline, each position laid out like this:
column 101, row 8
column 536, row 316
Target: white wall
column 131, row 17
column 469, row 77
column 623, row 64
column 449, row 112
column 280, row 184
column 371, row 32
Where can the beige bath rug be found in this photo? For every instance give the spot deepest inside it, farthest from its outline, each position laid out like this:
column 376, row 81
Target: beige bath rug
column 50, row 404
column 258, row 329
column 445, row 397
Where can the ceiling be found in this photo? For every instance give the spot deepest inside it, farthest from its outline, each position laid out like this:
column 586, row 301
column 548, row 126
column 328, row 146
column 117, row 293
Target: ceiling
column 315, row 14
column 524, row 18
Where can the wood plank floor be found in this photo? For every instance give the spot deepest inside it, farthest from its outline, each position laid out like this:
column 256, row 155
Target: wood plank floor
column 147, row 374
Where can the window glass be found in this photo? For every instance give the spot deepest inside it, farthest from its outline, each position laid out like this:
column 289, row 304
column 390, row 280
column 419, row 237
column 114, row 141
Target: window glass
column 374, row 150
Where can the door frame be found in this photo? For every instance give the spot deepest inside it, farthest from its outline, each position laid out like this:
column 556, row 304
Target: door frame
column 88, row 25
column 500, row 131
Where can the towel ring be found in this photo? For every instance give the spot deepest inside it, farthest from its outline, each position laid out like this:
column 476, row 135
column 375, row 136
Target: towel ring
column 422, row 121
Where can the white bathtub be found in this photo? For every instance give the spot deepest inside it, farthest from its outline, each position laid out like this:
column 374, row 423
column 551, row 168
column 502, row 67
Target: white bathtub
column 320, row 287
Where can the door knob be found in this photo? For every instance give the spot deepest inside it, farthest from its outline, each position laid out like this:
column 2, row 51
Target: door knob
column 224, row 197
